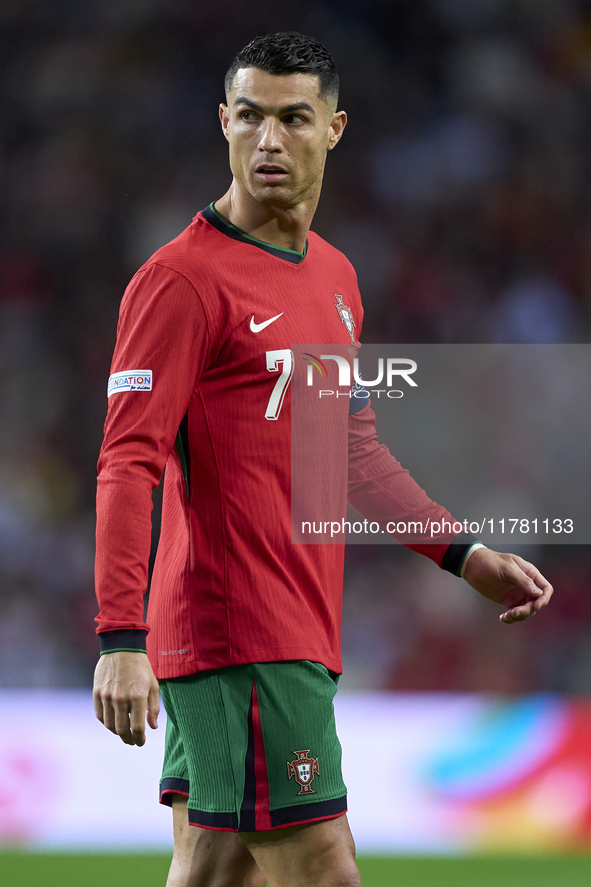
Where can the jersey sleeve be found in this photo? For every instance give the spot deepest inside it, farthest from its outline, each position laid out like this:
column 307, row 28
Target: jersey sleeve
column 162, row 341
column 383, row 491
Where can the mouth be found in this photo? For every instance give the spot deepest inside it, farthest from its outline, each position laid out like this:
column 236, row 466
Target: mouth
column 269, row 173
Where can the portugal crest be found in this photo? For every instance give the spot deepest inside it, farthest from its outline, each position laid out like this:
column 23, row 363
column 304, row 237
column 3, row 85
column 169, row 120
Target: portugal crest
column 346, row 316
column 304, row 768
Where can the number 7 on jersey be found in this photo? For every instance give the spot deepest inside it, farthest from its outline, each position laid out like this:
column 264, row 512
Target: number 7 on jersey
column 284, row 357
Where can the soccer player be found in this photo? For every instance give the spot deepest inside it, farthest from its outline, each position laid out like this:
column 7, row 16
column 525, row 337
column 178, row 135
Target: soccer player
column 244, row 632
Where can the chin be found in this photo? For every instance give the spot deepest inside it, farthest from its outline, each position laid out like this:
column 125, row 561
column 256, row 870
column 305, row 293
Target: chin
column 273, row 196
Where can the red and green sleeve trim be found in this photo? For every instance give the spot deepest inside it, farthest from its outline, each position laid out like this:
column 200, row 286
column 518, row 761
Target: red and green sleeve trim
column 453, row 559
column 123, row 640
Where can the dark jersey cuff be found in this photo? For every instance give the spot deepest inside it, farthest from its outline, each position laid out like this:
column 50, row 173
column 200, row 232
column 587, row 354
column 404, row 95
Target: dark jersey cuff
column 453, row 558
column 124, row 639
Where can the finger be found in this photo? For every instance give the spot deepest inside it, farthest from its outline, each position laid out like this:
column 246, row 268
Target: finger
column 518, row 614
column 522, row 575
column 153, row 706
column 109, row 715
column 530, row 608
column 121, row 719
column 545, row 586
column 544, row 600
column 98, row 706
column 541, row 591
column 542, row 582
column 539, row 581
column 126, row 736
column 137, row 720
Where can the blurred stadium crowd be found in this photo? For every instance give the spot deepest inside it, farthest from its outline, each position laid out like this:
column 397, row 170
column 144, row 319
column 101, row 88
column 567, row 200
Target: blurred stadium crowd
column 460, row 192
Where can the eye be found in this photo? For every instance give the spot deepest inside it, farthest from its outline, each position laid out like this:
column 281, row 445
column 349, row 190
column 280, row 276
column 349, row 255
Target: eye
column 249, row 116
column 294, row 119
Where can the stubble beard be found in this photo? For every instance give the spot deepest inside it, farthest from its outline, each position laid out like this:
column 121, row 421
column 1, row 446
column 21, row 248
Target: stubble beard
column 286, row 197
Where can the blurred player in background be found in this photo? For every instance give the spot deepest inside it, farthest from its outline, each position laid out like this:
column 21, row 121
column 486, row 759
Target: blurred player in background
column 245, row 626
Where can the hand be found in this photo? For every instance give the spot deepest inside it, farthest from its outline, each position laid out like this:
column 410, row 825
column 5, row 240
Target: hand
column 508, row 580
column 125, row 689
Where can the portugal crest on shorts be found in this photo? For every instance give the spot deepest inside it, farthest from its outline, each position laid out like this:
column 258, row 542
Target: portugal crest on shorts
column 304, row 768
column 346, row 316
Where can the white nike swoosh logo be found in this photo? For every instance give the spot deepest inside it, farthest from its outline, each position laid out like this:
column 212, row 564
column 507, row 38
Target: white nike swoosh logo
column 257, row 327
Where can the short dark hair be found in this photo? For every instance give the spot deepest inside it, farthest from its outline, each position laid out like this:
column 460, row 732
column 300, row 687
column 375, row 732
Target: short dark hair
column 288, row 52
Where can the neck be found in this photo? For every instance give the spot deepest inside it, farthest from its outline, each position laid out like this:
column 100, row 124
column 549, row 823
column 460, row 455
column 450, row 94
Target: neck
column 286, row 227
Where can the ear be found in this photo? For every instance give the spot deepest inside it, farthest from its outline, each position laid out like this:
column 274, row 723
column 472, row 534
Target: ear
column 337, row 124
column 224, row 118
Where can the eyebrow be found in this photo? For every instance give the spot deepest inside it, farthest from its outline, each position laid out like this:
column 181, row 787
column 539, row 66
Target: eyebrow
column 287, row 109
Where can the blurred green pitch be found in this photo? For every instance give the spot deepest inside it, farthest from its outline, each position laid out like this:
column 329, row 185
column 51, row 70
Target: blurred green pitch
column 145, row 870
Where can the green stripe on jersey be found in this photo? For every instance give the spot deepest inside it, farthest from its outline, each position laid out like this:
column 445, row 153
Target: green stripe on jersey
column 284, row 249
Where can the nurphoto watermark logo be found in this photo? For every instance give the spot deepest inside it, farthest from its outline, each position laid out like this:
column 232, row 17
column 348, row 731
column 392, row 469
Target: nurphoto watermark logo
column 390, row 371
column 495, row 433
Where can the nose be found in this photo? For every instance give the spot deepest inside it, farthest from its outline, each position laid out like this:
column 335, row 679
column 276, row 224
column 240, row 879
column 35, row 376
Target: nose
column 270, row 140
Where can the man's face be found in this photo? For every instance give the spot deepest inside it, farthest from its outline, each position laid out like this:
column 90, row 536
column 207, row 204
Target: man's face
column 279, row 131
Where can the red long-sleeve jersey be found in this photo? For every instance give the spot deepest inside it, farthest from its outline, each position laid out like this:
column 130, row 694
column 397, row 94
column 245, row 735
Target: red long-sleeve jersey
column 200, row 383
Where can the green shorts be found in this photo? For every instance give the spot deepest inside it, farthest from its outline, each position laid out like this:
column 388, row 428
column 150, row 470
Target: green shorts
column 254, row 747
